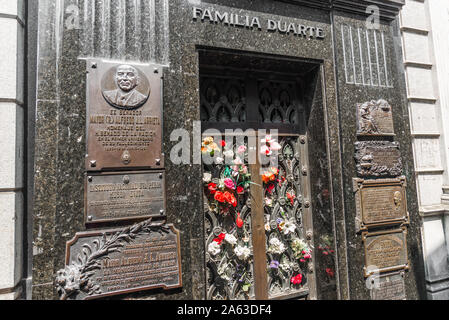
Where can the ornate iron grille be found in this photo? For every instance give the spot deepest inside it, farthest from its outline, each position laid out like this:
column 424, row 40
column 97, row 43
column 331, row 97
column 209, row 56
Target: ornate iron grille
column 282, row 251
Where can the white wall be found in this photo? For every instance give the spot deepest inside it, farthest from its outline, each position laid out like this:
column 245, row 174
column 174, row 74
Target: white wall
column 425, row 36
column 11, row 146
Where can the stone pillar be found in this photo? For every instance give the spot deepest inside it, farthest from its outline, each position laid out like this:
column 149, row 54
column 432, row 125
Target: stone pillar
column 12, row 29
column 424, row 26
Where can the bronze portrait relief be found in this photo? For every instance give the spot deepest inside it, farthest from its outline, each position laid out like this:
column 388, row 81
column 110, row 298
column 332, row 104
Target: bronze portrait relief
column 125, row 87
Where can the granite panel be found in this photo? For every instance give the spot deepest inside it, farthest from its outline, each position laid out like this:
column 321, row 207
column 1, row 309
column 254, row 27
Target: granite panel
column 348, row 96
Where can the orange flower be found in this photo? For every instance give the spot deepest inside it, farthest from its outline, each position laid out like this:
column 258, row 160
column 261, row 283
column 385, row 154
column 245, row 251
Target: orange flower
column 230, row 198
column 268, row 177
column 219, row 196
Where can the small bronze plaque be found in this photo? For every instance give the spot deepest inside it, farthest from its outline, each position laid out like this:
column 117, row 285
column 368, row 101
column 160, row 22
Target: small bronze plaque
column 380, row 202
column 124, row 116
column 105, row 263
column 375, row 118
column 124, row 196
column 385, row 251
column 378, row 159
column 389, row 287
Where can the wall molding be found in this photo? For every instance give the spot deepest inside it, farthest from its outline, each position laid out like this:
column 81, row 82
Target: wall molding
column 389, row 9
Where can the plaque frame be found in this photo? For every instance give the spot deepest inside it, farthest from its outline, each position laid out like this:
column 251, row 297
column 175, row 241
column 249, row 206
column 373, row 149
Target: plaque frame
column 375, row 292
column 405, row 265
column 362, row 222
column 109, row 232
column 94, row 221
column 103, row 112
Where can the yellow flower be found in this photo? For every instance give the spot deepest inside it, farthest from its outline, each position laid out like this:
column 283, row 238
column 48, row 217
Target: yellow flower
column 208, row 141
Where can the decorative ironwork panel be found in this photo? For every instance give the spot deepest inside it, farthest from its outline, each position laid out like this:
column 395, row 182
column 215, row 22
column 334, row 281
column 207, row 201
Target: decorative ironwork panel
column 223, row 100
column 228, row 223
column 278, row 103
column 289, row 253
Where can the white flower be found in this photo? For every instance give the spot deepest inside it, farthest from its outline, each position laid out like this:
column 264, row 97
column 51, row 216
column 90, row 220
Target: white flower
column 266, row 151
column 289, row 227
column 214, row 248
column 267, row 139
column 219, row 160
column 229, row 154
column 231, row 239
column 268, row 202
column 274, row 146
column 207, row 177
column 276, row 246
column 286, row 266
column 242, row 253
column 238, row 161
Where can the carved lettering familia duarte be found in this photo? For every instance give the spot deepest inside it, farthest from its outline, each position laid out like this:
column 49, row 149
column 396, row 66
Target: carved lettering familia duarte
column 250, row 22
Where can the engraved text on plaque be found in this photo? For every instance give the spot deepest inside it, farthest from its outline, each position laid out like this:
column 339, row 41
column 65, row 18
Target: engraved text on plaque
column 104, row 263
column 124, row 196
column 385, row 251
column 380, row 202
column 378, row 159
column 124, row 116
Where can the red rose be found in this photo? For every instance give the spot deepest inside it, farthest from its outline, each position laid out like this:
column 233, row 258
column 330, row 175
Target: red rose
column 212, row 188
column 222, row 236
column 223, row 143
column 291, row 198
column 233, row 201
column 230, row 198
column 240, row 190
column 297, row 279
column 270, row 188
column 219, row 196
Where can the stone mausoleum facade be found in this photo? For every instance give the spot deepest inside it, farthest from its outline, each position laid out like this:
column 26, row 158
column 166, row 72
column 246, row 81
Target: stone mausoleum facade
column 242, row 149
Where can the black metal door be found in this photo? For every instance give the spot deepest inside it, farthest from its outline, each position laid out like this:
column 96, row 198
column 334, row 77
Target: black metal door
column 259, row 243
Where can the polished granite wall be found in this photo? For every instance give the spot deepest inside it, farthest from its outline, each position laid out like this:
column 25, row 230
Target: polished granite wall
column 60, row 131
column 392, row 90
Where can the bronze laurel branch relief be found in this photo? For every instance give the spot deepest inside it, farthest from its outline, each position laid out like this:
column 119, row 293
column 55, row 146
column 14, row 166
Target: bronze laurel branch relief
column 78, row 278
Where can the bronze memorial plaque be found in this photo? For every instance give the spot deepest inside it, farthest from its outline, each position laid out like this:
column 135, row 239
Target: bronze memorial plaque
column 124, row 196
column 380, row 202
column 385, row 251
column 389, row 287
column 377, row 159
column 105, row 263
column 375, row 118
column 124, row 116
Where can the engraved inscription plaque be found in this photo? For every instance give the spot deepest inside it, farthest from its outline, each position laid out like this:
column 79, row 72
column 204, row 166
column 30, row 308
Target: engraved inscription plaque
column 124, row 196
column 378, row 159
column 375, row 118
column 389, row 287
column 385, row 251
column 380, row 202
column 105, row 263
column 124, row 116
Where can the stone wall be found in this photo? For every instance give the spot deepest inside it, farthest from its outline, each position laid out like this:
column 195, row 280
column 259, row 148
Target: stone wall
column 424, row 26
column 12, row 32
